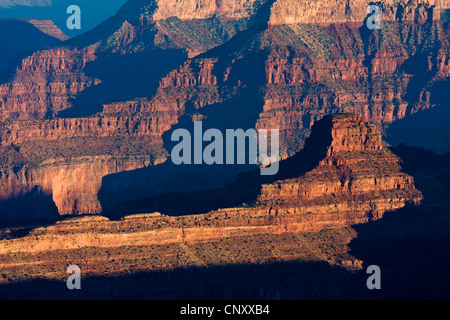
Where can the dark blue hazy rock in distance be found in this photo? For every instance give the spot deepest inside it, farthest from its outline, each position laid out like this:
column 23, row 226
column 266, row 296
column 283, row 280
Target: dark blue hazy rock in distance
column 93, row 12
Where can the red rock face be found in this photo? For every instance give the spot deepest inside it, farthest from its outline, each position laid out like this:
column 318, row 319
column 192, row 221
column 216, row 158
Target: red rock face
column 289, row 73
column 72, row 186
column 305, row 80
column 352, row 133
column 357, row 173
column 357, row 181
column 201, row 9
column 50, row 130
column 339, row 11
column 45, row 82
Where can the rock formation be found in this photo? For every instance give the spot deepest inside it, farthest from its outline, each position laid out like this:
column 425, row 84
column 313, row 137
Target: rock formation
column 339, row 11
column 286, row 74
column 95, row 113
column 202, row 9
column 48, row 27
column 72, row 186
column 355, row 181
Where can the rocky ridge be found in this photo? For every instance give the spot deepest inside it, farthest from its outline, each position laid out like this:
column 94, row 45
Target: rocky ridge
column 48, row 27
column 327, row 12
column 356, row 180
column 299, row 72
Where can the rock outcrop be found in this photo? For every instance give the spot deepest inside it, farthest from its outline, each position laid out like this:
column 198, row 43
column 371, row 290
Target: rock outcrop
column 48, row 27
column 358, row 180
column 340, row 11
column 357, row 176
column 203, row 9
column 71, row 185
column 312, row 70
column 45, row 82
column 353, row 179
column 280, row 76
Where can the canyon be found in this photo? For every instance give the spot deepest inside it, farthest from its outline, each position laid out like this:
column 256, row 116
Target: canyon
column 288, row 74
column 344, row 176
column 86, row 176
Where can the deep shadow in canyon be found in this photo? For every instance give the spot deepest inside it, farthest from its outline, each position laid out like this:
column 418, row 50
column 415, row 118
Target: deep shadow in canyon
column 123, row 78
column 410, row 246
column 262, row 282
column 240, row 110
column 26, row 209
column 426, row 128
column 244, row 190
column 168, row 177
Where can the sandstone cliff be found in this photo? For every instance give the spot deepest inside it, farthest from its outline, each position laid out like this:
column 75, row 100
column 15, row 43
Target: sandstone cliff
column 303, row 72
column 48, row 27
column 71, row 185
column 47, row 82
column 44, row 83
column 339, row 11
column 202, row 9
column 356, row 168
column 311, row 61
column 285, row 77
column 343, row 168
column 356, row 180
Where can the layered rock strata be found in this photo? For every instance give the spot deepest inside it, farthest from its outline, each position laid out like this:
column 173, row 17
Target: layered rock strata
column 48, row 27
column 71, row 186
column 355, row 181
column 279, row 77
column 339, row 11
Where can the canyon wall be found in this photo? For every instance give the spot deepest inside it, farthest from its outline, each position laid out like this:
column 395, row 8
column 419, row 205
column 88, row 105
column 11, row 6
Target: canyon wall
column 202, row 9
column 278, row 77
column 48, row 81
column 50, row 130
column 71, row 185
column 45, row 82
column 356, row 180
column 310, row 71
column 340, row 11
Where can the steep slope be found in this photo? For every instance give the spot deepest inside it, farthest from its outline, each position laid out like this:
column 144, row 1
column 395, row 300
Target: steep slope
column 21, row 37
column 312, row 69
column 343, row 170
column 327, row 12
column 48, row 27
column 281, row 76
column 132, row 45
column 139, row 26
column 356, row 180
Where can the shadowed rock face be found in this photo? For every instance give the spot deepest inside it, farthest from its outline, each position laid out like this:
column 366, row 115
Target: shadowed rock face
column 344, row 176
column 343, row 169
column 20, row 38
column 45, row 82
column 131, row 79
column 343, row 164
column 341, row 11
column 71, row 188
